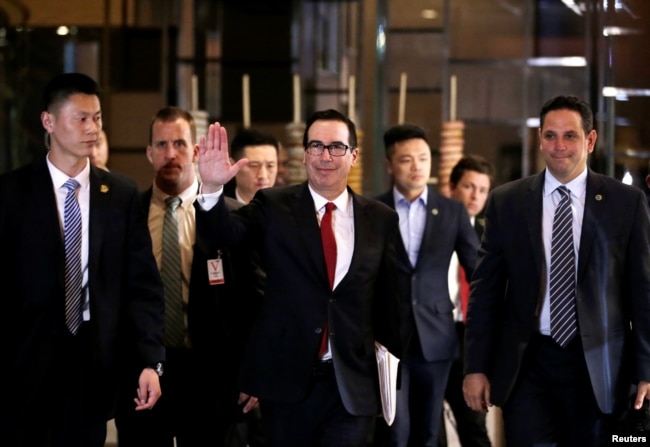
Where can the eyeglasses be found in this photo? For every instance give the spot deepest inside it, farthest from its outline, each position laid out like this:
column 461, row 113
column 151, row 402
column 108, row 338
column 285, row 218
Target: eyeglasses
column 335, row 149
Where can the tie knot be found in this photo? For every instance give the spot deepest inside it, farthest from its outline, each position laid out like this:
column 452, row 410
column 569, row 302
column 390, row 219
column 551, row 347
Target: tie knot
column 172, row 202
column 329, row 206
column 564, row 192
column 71, row 184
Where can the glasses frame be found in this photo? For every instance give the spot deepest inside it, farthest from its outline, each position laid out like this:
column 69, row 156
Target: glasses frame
column 318, row 152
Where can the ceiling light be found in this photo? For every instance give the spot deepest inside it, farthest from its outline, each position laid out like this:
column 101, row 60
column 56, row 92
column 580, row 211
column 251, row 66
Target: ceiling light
column 429, row 14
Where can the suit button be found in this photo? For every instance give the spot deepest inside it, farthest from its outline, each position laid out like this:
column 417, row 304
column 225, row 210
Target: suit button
column 318, row 330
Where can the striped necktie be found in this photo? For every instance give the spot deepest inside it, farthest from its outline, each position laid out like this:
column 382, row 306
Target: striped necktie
column 562, row 279
column 170, row 273
column 72, row 243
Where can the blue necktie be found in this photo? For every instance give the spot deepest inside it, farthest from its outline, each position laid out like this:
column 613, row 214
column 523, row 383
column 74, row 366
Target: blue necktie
column 562, row 279
column 72, row 242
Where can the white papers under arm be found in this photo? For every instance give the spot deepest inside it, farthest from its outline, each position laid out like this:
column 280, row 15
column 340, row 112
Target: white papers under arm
column 387, row 368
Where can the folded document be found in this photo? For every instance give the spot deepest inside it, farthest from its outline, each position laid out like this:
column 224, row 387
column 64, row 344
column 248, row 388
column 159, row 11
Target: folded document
column 387, row 366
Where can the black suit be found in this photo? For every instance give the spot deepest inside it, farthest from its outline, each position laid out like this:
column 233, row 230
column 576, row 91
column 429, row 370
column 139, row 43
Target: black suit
column 613, row 291
column 470, row 425
column 217, row 335
column 279, row 365
column 426, row 321
column 125, row 292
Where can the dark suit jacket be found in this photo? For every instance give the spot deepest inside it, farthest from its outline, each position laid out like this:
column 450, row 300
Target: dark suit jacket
column 425, row 305
column 298, row 301
column 124, row 284
column 218, row 315
column 613, row 286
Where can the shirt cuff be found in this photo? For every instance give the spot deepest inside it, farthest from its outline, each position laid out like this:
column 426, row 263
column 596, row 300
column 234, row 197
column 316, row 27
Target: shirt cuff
column 208, row 201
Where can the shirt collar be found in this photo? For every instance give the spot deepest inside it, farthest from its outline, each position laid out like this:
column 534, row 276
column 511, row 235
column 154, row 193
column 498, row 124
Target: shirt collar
column 59, row 177
column 399, row 197
column 577, row 186
column 341, row 202
column 187, row 196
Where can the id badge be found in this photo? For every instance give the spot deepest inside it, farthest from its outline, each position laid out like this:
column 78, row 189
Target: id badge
column 215, row 271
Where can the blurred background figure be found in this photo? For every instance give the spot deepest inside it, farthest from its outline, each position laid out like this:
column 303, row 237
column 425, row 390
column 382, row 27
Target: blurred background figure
column 283, row 166
column 470, row 182
column 99, row 155
column 261, row 149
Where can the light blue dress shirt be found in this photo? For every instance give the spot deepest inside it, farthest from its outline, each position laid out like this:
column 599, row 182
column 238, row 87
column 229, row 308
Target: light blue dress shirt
column 412, row 219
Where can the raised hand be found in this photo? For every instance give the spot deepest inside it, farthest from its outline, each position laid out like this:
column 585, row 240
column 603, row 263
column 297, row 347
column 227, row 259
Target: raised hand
column 215, row 168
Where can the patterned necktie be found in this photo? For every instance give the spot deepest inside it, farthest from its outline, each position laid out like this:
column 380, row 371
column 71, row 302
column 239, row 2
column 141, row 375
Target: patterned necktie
column 72, row 242
column 329, row 249
column 170, row 273
column 562, row 279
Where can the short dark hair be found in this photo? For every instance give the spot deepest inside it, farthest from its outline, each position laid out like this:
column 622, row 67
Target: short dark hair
column 60, row 87
column 331, row 115
column 399, row 133
column 172, row 113
column 569, row 102
column 251, row 137
column 475, row 163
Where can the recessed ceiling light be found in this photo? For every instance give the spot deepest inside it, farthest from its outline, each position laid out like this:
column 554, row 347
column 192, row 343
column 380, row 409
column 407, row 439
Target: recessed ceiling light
column 429, row 14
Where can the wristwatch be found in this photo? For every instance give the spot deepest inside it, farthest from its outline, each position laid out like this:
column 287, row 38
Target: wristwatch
column 158, row 367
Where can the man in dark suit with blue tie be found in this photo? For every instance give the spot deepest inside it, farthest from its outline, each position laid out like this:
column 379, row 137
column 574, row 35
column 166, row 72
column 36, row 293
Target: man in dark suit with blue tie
column 62, row 356
column 311, row 360
column 432, row 227
column 562, row 374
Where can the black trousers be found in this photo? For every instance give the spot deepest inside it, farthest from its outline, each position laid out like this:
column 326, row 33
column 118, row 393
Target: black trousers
column 71, row 404
column 320, row 420
column 190, row 410
column 552, row 402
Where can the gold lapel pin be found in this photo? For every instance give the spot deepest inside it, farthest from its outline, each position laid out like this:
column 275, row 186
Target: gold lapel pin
column 103, row 188
column 599, row 197
column 434, row 211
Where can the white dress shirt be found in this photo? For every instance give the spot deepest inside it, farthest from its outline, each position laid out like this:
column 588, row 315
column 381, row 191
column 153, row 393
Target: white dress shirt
column 83, row 198
column 550, row 199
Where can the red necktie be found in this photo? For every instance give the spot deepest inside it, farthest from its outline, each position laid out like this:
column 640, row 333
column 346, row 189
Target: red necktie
column 329, row 249
column 463, row 290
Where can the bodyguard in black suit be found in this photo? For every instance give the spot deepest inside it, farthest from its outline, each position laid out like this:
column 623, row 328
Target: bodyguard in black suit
column 564, row 394
column 307, row 396
column 60, row 383
column 432, row 227
column 215, row 330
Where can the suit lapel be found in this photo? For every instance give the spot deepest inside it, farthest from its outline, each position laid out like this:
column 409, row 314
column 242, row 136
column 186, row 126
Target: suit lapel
column 431, row 223
column 362, row 239
column 479, row 226
column 400, row 248
column 304, row 212
column 51, row 236
column 99, row 216
column 595, row 197
column 533, row 216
